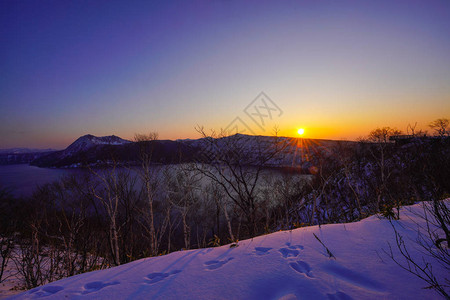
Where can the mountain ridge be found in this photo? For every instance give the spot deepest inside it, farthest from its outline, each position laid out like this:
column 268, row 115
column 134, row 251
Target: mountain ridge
column 92, row 150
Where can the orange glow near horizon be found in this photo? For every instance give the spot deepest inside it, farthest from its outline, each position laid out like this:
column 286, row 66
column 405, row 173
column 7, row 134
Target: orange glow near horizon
column 315, row 126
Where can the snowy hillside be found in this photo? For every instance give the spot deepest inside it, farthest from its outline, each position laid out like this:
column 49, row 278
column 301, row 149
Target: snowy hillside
column 84, row 148
column 88, row 141
column 283, row 265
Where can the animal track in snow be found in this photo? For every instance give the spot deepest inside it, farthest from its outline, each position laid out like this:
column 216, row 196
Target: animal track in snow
column 290, row 250
column 47, row 290
column 339, row 296
column 302, row 267
column 157, row 276
column 96, row 286
column 53, row 289
column 262, row 250
column 288, row 297
column 295, row 246
column 215, row 264
column 286, row 252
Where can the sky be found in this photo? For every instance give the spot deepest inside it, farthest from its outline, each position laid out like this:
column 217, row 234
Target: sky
column 338, row 69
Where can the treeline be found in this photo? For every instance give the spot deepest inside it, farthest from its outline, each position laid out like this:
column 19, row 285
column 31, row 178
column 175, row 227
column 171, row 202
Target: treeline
column 113, row 216
column 378, row 176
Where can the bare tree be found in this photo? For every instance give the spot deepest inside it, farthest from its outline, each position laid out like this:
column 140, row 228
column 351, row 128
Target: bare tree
column 6, row 230
column 289, row 191
column 380, row 139
column 149, row 175
column 108, row 195
column 183, row 188
column 214, row 191
column 323, row 177
column 36, row 259
column 440, row 126
column 29, row 261
column 51, row 235
column 411, row 130
column 68, row 206
column 236, row 163
column 434, row 240
column 6, row 247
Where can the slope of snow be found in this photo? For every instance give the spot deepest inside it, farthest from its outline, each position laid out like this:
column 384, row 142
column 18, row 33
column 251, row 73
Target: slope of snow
column 283, row 265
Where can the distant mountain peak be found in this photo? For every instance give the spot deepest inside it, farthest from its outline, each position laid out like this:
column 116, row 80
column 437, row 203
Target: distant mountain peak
column 103, row 140
column 87, row 141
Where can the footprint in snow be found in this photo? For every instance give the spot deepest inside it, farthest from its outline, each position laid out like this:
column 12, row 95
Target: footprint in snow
column 286, row 252
column 155, row 277
column 291, row 250
column 302, row 267
column 339, row 296
column 295, row 246
column 215, row 264
column 97, row 285
column 262, row 250
column 47, row 290
column 52, row 289
column 288, row 297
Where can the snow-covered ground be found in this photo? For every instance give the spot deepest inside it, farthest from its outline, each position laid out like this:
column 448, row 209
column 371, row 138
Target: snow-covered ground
column 283, row 265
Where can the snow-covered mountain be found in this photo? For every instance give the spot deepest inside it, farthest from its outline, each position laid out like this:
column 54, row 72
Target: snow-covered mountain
column 86, row 149
column 88, row 141
column 93, row 150
column 283, row 265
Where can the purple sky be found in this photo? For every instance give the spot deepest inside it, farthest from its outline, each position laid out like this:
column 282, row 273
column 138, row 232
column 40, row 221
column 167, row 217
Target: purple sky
column 336, row 68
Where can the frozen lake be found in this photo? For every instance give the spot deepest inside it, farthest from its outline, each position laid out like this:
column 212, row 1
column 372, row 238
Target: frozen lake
column 22, row 179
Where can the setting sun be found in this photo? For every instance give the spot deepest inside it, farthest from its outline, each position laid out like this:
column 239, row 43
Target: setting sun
column 301, row 131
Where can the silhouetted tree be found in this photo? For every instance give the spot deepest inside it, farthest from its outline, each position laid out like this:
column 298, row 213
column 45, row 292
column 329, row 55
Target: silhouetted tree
column 380, row 151
column 434, row 241
column 440, row 126
column 149, row 175
column 236, row 163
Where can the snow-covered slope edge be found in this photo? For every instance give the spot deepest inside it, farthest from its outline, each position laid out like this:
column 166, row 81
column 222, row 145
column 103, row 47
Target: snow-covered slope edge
column 282, row 265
